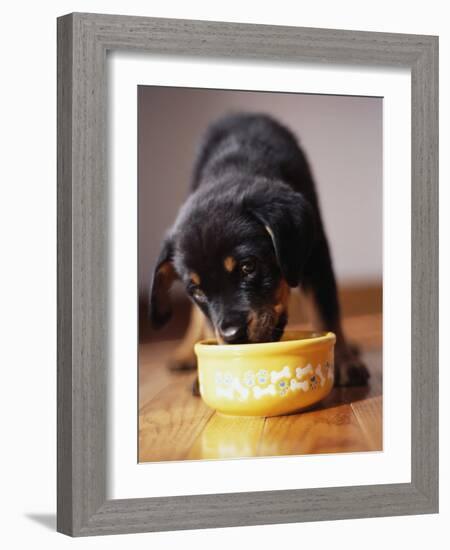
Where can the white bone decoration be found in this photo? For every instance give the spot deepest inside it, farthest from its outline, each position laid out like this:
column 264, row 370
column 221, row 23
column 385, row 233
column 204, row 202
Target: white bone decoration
column 277, row 383
column 299, row 385
column 259, row 392
column 285, row 372
column 302, row 372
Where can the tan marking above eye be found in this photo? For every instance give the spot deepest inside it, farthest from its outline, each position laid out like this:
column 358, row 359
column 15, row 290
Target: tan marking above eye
column 229, row 263
column 195, row 278
column 279, row 308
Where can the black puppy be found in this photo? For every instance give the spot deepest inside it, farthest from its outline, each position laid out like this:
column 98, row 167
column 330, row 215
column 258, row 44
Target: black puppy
column 249, row 231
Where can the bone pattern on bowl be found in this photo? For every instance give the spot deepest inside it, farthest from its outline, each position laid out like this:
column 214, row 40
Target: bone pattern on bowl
column 274, row 383
column 267, row 379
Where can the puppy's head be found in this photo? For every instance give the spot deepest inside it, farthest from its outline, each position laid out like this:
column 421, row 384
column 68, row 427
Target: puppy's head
column 237, row 252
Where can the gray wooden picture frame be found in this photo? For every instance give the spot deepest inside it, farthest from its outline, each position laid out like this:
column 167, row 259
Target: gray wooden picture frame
column 83, row 41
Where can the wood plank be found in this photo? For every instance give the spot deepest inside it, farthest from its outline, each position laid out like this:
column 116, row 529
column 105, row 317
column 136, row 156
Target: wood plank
column 228, row 437
column 331, row 430
column 153, row 372
column 170, row 422
column 369, row 414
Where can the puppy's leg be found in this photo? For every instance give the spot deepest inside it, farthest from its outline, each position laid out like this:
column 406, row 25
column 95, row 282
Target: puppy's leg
column 324, row 312
column 183, row 357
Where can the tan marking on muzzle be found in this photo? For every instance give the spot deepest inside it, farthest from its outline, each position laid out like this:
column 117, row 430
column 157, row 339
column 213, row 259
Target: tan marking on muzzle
column 252, row 324
column 282, row 297
column 229, row 263
column 260, row 324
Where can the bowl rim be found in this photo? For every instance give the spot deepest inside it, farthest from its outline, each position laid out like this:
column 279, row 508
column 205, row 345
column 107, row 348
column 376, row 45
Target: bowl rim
column 323, row 337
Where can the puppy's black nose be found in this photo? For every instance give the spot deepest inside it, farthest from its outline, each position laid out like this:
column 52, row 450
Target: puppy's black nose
column 231, row 334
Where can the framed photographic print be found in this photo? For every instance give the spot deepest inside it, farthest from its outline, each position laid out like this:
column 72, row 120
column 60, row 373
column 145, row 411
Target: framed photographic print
column 247, row 274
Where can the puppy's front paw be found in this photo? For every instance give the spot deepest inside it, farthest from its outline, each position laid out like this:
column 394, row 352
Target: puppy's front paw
column 351, row 371
column 180, row 364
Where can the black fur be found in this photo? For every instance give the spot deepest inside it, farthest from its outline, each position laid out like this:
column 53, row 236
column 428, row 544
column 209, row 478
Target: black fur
column 252, row 199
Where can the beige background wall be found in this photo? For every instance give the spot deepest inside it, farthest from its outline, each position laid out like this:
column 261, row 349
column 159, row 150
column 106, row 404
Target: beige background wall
column 342, row 137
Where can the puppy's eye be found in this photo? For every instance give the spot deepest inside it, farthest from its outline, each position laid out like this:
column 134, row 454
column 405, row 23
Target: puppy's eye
column 198, row 294
column 248, row 267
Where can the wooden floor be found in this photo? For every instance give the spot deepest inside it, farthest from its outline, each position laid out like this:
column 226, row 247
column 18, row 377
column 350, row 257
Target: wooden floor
column 175, row 425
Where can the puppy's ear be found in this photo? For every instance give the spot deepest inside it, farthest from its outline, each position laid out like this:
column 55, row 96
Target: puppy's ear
column 290, row 221
column 163, row 278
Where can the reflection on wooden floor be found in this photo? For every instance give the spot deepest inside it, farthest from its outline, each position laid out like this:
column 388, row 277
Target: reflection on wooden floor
column 175, row 425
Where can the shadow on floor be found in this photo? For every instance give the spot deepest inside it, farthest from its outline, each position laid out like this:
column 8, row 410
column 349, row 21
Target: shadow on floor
column 46, row 520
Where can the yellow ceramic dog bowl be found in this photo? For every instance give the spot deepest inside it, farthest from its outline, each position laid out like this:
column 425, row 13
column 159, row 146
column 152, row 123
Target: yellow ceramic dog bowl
column 267, row 379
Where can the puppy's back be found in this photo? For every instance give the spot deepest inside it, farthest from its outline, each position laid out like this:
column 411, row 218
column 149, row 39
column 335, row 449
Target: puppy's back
column 251, row 144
